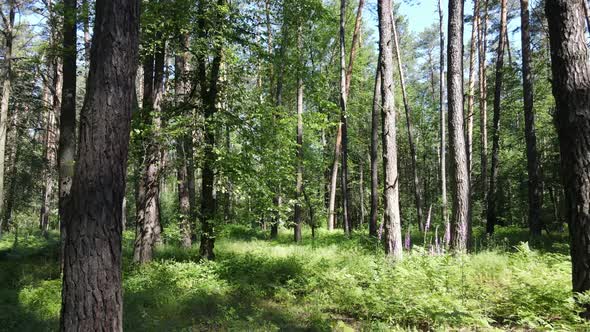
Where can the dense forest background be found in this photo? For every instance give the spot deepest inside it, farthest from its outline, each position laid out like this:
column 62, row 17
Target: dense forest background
column 261, row 163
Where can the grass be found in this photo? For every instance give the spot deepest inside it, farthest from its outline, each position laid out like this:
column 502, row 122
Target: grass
column 331, row 283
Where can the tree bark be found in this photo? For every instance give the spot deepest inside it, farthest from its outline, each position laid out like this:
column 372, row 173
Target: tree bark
column 483, row 103
column 571, row 79
column 392, row 222
column 148, row 214
column 491, row 213
column 375, row 112
column 471, row 84
column 332, row 203
column 92, row 286
column 409, row 128
column 299, row 159
column 534, row 190
column 443, row 124
column 344, row 121
column 457, row 146
column 6, row 91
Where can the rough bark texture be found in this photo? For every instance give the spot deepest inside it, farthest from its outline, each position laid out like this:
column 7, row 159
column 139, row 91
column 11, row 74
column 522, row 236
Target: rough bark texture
column 392, row 222
column 491, row 213
column 8, row 30
column 457, row 147
column 443, row 124
column 409, row 128
column 375, row 113
column 91, row 292
column 571, row 89
column 534, row 190
column 148, row 213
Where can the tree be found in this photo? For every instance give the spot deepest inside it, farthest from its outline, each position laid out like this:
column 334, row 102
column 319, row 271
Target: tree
column 375, row 110
column 392, row 222
column 91, row 290
column 534, row 190
column 571, row 78
column 457, row 148
column 483, row 100
column 471, row 84
column 299, row 161
column 442, row 104
column 493, row 189
column 8, row 32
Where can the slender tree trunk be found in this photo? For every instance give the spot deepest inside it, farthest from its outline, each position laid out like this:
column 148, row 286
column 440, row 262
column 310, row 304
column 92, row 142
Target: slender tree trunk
column 491, row 213
column 361, row 193
column 13, row 159
column 86, row 30
column 534, row 190
column 375, row 113
column 184, row 146
column 471, row 84
column 443, row 124
column 483, row 103
column 332, row 203
column 299, row 184
column 92, row 284
column 457, row 146
column 344, row 122
column 571, row 78
column 392, row 220
column 6, row 90
column 409, row 128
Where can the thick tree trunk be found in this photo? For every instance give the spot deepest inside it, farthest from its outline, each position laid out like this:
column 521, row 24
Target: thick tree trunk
column 409, row 128
column 534, row 190
column 483, row 103
column 6, row 90
column 375, row 113
column 491, row 213
column 457, row 146
column 443, row 124
column 392, row 220
column 148, row 213
column 571, row 79
column 92, row 286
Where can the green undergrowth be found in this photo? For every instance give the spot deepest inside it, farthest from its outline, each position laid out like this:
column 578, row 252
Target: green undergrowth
column 330, row 283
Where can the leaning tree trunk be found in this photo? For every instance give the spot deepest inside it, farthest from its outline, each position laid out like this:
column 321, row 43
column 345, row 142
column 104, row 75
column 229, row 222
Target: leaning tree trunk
column 571, row 79
column 92, row 281
column 6, row 90
column 392, row 220
column 409, row 128
column 491, row 213
column 534, row 190
column 374, row 152
column 457, row 148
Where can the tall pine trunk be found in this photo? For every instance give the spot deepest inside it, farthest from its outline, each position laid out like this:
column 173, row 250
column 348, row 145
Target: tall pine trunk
column 571, row 78
column 483, row 102
column 442, row 124
column 375, row 113
column 92, row 281
column 534, row 190
column 457, row 147
column 491, row 213
column 392, row 220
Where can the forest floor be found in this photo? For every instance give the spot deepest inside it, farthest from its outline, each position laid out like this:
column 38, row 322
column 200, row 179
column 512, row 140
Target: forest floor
column 330, row 283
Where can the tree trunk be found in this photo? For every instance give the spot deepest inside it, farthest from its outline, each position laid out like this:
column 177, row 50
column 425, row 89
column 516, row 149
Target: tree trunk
column 471, row 84
column 332, row 204
column 409, row 128
column 92, row 284
column 443, row 124
column 571, row 78
column 344, row 121
column 491, row 215
column 184, row 146
column 375, row 112
column 483, row 103
column 299, row 161
column 457, row 147
column 534, row 190
column 148, row 214
column 392, row 222
column 6, row 90
column 13, row 173
column 362, row 194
